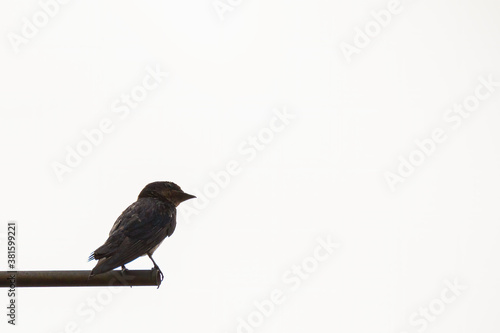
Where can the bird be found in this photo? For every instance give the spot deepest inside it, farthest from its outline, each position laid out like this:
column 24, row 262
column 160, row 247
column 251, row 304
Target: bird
column 141, row 228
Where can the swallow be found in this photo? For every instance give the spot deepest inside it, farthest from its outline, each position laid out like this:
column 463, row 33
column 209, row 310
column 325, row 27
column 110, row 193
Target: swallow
column 141, row 228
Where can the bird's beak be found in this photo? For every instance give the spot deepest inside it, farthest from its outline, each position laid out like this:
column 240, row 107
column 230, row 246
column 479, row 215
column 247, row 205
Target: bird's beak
column 189, row 196
column 181, row 196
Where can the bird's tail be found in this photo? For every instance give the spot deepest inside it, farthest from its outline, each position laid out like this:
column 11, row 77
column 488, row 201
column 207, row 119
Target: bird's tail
column 91, row 257
column 105, row 265
column 100, row 268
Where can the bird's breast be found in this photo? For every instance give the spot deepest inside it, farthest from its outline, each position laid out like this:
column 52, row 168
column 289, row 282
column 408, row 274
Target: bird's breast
column 154, row 248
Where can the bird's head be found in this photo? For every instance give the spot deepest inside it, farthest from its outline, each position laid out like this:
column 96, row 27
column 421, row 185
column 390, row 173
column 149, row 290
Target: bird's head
column 165, row 190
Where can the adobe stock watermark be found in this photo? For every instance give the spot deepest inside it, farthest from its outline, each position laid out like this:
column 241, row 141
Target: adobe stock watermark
column 453, row 119
column 222, row 7
column 363, row 37
column 12, row 266
column 291, row 279
column 424, row 316
column 30, row 27
column 87, row 311
column 248, row 150
column 121, row 108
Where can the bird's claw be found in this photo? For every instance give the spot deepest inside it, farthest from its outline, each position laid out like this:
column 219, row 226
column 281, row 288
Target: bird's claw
column 124, row 271
column 161, row 273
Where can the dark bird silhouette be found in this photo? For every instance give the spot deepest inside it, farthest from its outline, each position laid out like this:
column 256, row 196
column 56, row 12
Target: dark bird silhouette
column 141, row 228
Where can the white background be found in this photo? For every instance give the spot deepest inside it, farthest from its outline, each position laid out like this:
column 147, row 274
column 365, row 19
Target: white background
column 323, row 175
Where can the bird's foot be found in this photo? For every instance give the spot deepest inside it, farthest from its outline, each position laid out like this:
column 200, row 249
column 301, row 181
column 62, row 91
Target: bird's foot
column 124, row 271
column 156, row 267
column 159, row 271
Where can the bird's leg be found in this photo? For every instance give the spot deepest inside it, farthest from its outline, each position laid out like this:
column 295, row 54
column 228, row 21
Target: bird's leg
column 124, row 270
column 156, row 266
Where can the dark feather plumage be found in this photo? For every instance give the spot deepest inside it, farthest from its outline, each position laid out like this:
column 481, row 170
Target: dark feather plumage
column 141, row 228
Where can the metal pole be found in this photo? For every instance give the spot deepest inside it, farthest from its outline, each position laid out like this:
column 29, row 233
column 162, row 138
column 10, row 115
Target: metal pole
column 80, row 278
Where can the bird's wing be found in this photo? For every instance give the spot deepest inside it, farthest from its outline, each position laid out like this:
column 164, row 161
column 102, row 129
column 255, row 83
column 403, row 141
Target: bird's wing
column 142, row 226
column 125, row 216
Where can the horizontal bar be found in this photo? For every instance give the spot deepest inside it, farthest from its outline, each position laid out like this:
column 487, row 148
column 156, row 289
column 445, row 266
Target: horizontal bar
column 80, row 278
